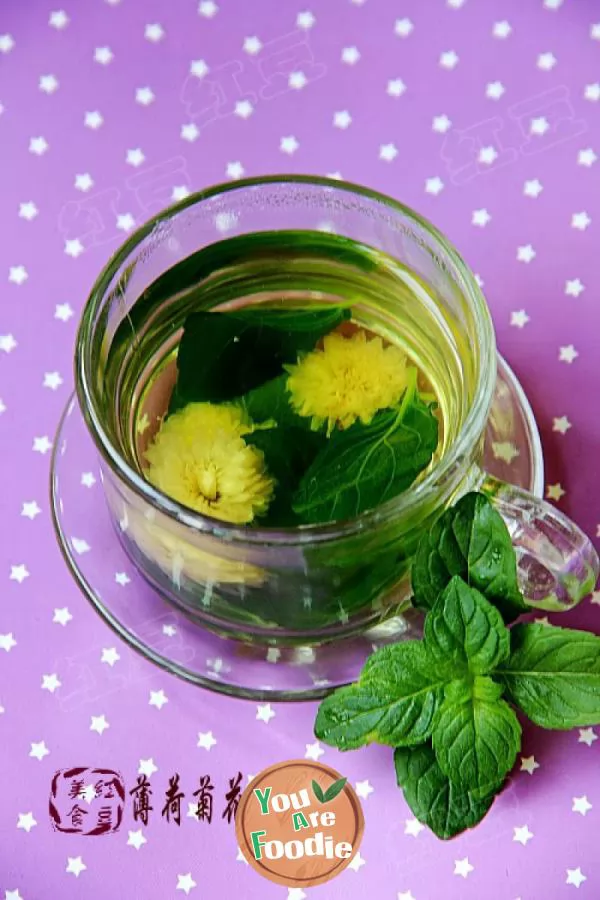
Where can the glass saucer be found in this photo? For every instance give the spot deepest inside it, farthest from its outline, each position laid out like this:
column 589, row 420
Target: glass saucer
column 145, row 620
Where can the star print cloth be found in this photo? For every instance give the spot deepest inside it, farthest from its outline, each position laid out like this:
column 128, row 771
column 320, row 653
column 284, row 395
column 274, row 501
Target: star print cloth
column 481, row 115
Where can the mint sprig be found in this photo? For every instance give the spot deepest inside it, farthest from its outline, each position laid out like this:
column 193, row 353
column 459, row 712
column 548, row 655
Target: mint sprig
column 447, row 702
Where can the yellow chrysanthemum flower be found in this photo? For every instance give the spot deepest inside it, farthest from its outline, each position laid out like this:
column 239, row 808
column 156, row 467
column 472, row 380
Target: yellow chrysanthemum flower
column 350, row 378
column 200, row 459
column 178, row 557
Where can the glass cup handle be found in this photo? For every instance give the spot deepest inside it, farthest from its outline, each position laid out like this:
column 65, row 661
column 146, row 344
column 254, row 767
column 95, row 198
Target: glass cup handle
column 557, row 563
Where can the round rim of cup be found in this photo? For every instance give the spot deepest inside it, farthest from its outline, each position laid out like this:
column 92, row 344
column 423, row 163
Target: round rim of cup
column 406, row 502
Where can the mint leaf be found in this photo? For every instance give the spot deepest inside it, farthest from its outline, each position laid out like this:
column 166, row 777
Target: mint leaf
column 476, row 741
column 471, row 540
column 465, row 629
column 364, row 465
column 393, row 703
column 553, row 675
column 271, row 402
column 318, row 791
column 288, row 452
column 435, row 800
column 222, row 356
column 334, row 789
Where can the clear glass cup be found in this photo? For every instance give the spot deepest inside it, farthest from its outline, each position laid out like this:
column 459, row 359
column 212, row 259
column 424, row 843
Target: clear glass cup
column 311, row 584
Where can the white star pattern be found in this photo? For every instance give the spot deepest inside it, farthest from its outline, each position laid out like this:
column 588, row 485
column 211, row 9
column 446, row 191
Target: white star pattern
column 265, row 712
column 50, row 682
column 135, row 157
column 62, row 616
column 84, row 182
column 122, row 578
column 567, row 354
column 109, row 656
column 103, row 55
column 208, row 9
column 405, row 895
column 441, row 124
column 587, row 736
column 586, row 157
column 357, row 862
column 185, row 883
column 546, row 61
column 180, row 192
column 7, row 343
column 575, row 877
column 502, row 29
column 480, row 217
column 297, row 80
column 580, row 221
column 413, row 827
column 554, row 492
column 350, row 55
column 449, row 59
column 574, row 287
column 154, row 33
column 58, row 19
column 17, row 274
column 494, row 90
column 305, row 20
column 396, row 87
column 99, row 724
column 48, row 84
column 434, row 185
column 38, row 750
column 144, row 96
column 158, row 699
column 488, row 155
column 75, row 866
column 388, row 152
column 125, row 222
column 252, row 45
column 190, row 132
column 288, row 144
column 199, row 68
column 38, row 146
column 206, row 740
column 403, row 27
column 235, row 170
column 525, row 253
column 26, row 822
column 147, row 767
column 539, row 126
column 522, row 835
column 52, row 380
column 243, row 109
column 30, row 510
column 7, row 43
column 74, row 248
column 561, row 425
column 19, row 573
column 363, row 789
column 42, row 444
column 533, row 188
column 28, row 211
column 342, row 119
column 313, row 751
column 463, row 867
column 581, row 805
column 592, row 92
column 7, row 642
column 136, row 839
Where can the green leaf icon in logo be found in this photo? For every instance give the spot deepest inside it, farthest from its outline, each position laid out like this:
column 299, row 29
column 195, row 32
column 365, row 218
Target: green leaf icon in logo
column 332, row 791
column 318, row 792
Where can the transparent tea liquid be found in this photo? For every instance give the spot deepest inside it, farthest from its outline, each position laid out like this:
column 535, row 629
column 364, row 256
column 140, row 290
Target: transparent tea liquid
column 285, row 269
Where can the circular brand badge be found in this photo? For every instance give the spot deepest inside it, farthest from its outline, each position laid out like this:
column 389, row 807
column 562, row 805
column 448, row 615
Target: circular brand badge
column 299, row 823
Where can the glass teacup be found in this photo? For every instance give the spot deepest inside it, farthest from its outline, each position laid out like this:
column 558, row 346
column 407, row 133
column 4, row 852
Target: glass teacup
column 249, row 242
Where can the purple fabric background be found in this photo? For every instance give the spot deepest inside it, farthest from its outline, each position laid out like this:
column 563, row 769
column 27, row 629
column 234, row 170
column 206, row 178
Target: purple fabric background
column 540, row 840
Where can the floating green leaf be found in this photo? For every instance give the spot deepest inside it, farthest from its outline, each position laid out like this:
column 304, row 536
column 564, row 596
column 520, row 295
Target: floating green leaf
column 222, row 356
column 365, row 465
